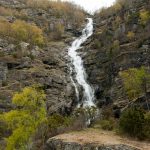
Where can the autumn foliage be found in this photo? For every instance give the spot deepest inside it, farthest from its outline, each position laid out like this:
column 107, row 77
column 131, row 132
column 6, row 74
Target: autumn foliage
column 21, row 31
column 29, row 114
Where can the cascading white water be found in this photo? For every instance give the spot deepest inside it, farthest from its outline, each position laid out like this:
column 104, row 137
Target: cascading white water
column 78, row 68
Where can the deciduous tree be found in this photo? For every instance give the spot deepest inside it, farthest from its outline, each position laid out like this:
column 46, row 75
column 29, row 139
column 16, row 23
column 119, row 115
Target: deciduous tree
column 30, row 112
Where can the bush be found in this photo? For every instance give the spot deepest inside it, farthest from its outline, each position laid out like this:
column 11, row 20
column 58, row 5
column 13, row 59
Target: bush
column 66, row 10
column 131, row 122
column 29, row 114
column 58, row 31
column 5, row 11
column 5, row 29
column 8, row 12
column 147, row 125
column 55, row 121
column 136, row 82
column 27, row 32
column 22, row 31
column 131, row 35
column 12, row 12
column 106, row 124
column 144, row 17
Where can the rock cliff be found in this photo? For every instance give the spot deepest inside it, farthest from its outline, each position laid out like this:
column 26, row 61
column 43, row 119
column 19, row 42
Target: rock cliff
column 120, row 41
column 22, row 64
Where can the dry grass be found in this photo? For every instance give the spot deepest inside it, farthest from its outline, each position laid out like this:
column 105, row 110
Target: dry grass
column 101, row 137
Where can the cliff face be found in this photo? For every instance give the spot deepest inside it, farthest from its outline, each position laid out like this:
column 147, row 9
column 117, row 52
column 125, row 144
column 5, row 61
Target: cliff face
column 120, row 41
column 22, row 64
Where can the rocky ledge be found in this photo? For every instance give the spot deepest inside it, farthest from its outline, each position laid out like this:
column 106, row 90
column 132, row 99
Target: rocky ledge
column 94, row 139
column 56, row 144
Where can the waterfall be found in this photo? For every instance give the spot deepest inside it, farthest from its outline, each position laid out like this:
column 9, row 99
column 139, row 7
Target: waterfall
column 77, row 67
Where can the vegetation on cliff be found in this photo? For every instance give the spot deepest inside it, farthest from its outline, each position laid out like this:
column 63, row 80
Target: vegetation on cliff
column 136, row 81
column 21, row 31
column 24, row 121
column 120, row 52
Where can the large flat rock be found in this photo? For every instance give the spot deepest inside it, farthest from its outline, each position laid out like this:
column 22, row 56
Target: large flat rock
column 93, row 139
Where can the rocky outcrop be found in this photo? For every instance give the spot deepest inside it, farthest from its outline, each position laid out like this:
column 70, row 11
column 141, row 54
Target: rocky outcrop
column 56, row 144
column 47, row 67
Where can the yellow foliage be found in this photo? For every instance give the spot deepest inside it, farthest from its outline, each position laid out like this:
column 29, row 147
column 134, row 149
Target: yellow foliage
column 22, row 31
column 61, row 9
column 5, row 28
column 144, row 16
column 135, row 81
column 5, row 11
column 25, row 120
column 28, row 32
column 131, row 35
column 11, row 12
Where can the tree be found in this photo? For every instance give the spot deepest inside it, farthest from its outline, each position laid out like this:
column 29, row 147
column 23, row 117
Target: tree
column 132, row 121
column 136, row 82
column 22, row 31
column 29, row 114
column 27, row 32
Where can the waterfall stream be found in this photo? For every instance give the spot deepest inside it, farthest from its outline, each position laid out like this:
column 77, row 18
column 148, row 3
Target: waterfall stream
column 77, row 67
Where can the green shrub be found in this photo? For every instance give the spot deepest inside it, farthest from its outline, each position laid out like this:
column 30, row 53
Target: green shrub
column 136, row 82
column 58, row 124
column 147, row 125
column 131, row 122
column 24, row 121
column 106, row 124
column 55, row 121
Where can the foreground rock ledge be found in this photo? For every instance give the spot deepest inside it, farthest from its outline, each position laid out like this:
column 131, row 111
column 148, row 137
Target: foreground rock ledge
column 94, row 139
column 56, row 144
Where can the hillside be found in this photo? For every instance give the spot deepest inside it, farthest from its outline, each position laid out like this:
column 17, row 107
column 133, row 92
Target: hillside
column 121, row 41
column 24, row 62
column 70, row 80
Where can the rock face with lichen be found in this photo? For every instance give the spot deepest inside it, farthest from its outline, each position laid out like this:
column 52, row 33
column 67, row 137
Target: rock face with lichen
column 120, row 41
column 22, row 64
